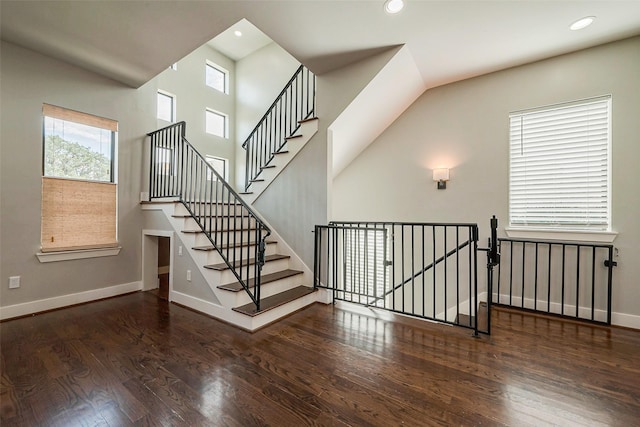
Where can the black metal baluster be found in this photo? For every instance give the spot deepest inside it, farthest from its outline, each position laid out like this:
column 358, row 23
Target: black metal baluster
column 524, row 248
column 593, row 282
column 577, row 281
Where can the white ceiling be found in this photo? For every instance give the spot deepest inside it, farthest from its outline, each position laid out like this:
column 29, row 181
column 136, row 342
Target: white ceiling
column 132, row 41
column 237, row 47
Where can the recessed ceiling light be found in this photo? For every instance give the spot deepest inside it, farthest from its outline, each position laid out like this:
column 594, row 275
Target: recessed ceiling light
column 393, row 6
column 582, row 23
column 238, row 33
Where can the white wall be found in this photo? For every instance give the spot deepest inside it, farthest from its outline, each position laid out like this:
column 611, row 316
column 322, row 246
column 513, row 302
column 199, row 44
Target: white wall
column 260, row 77
column 298, row 198
column 193, row 97
column 30, row 79
column 464, row 126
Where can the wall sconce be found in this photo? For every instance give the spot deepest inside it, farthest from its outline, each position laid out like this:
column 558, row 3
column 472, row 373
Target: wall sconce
column 441, row 176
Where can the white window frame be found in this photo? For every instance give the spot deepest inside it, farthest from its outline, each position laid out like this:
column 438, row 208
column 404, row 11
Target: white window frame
column 221, row 70
column 173, row 106
column 547, row 142
column 61, row 113
column 225, row 117
column 212, row 160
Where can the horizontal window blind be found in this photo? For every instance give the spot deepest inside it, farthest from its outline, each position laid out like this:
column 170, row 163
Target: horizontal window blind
column 365, row 254
column 559, row 166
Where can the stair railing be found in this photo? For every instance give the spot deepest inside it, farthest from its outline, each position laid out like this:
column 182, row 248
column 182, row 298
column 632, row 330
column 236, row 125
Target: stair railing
column 179, row 171
column 295, row 103
column 560, row 278
column 424, row 270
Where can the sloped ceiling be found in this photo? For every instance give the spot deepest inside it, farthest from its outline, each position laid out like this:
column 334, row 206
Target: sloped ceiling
column 132, row 41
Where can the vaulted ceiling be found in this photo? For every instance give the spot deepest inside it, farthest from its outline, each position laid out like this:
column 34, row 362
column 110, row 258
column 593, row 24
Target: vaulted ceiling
column 132, row 41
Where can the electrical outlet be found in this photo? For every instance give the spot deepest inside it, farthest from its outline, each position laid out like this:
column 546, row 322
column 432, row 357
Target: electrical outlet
column 14, row 282
column 188, row 275
column 180, row 250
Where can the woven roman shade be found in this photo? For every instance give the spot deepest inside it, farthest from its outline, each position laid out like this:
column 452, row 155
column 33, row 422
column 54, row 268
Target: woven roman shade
column 79, row 117
column 78, row 213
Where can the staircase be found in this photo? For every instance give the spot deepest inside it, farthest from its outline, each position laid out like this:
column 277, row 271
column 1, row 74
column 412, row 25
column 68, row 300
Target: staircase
column 255, row 277
column 305, row 130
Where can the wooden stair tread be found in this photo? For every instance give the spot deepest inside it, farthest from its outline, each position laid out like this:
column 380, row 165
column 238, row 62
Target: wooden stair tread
column 222, row 266
column 257, row 180
column 274, row 301
column 280, row 152
column 268, row 166
column 236, row 245
column 267, row 278
column 307, row 120
column 292, row 137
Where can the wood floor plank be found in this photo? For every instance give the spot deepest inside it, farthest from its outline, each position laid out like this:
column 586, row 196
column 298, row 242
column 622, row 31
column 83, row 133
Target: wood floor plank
column 138, row 361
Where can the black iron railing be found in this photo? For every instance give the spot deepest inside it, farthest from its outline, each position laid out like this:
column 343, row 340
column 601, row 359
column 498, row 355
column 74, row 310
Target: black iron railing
column 179, row 171
column 424, row 270
column 560, row 278
column 294, row 104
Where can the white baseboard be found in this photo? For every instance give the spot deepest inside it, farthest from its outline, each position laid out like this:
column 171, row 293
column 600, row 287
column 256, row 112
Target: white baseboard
column 24, row 309
column 626, row 320
column 617, row 319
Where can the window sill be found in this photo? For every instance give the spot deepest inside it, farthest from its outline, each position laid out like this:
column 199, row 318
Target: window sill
column 77, row 254
column 561, row 235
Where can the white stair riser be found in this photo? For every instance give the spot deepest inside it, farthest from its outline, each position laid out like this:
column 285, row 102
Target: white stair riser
column 224, row 238
column 220, row 223
column 210, row 209
column 213, row 257
column 226, row 276
column 266, row 290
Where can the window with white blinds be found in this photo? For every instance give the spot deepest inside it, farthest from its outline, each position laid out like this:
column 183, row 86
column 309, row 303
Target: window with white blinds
column 560, row 167
column 364, row 268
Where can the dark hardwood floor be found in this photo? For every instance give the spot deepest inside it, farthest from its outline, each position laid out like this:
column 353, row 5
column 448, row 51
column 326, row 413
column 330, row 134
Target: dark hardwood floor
column 136, row 360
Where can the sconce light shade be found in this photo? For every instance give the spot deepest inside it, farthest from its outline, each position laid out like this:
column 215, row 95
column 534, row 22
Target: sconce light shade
column 441, row 175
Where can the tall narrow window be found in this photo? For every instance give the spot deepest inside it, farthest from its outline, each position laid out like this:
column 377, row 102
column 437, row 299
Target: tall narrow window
column 216, row 123
column 78, row 183
column 559, row 166
column 365, row 267
column 166, row 106
column 217, row 77
column 220, row 165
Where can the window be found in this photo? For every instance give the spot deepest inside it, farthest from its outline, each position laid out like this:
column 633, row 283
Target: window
column 217, row 77
column 166, row 107
column 216, row 123
column 166, row 163
column 78, row 183
column 559, row 166
column 365, row 267
column 220, row 166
